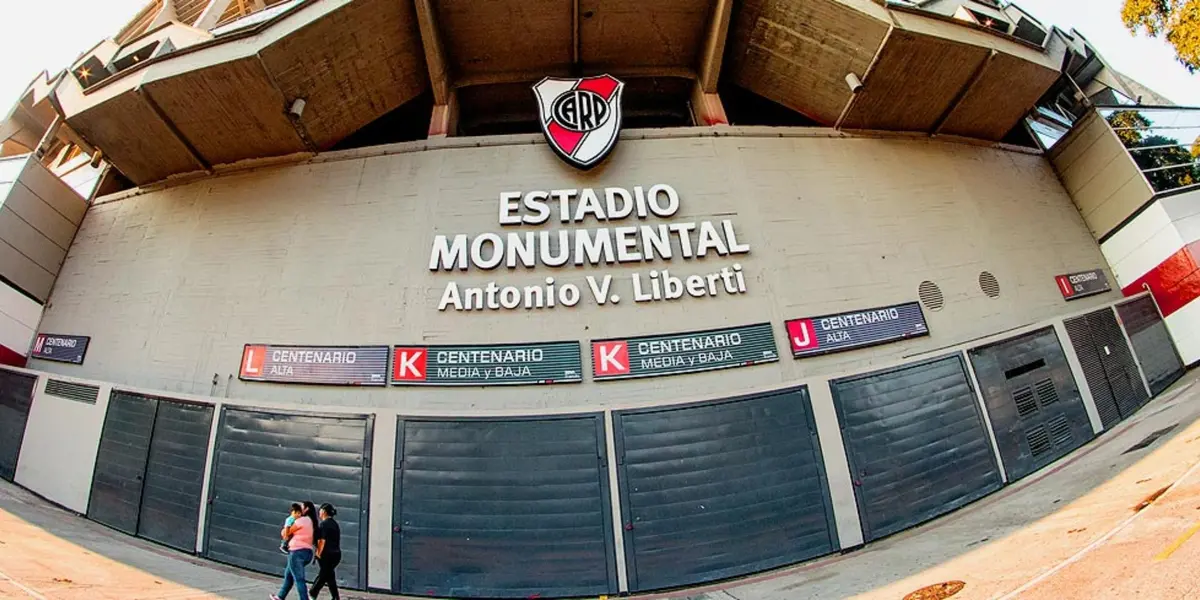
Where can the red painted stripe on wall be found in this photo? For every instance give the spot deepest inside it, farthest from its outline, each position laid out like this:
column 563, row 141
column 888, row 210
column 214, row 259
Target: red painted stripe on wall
column 1175, row 282
column 11, row 358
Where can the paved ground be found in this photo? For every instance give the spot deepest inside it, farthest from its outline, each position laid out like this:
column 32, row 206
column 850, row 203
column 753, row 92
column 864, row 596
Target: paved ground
column 1104, row 523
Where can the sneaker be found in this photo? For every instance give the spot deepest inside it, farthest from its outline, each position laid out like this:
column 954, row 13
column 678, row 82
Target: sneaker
column 283, row 550
column 274, row 597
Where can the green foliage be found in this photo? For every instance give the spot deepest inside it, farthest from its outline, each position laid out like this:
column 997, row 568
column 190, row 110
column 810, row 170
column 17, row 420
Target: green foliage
column 1176, row 20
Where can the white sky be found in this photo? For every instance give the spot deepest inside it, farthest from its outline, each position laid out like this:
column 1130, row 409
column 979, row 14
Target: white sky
column 50, row 34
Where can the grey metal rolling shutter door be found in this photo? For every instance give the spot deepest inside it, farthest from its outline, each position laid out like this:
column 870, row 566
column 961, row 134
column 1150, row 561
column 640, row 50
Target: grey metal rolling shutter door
column 1093, row 370
column 175, row 474
column 503, row 508
column 723, row 489
column 1151, row 343
column 121, row 461
column 265, row 461
column 1122, row 372
column 1032, row 399
column 16, row 397
column 916, row 444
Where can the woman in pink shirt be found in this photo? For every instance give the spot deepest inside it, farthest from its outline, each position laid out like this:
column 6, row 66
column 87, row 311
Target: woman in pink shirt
column 300, row 552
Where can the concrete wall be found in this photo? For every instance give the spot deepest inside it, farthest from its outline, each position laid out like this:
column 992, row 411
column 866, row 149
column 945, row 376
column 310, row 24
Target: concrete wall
column 58, row 453
column 1159, row 250
column 172, row 283
column 38, row 220
column 1098, row 173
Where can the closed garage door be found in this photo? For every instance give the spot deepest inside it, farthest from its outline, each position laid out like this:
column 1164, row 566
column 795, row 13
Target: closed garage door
column 121, row 461
column 1107, row 364
column 503, row 508
column 1151, row 343
column 721, row 489
column 16, row 396
column 1033, row 402
column 264, row 461
column 916, row 443
column 150, row 468
column 175, row 474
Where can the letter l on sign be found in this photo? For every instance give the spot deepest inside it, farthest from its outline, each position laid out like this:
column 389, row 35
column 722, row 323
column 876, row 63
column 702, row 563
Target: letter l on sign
column 252, row 360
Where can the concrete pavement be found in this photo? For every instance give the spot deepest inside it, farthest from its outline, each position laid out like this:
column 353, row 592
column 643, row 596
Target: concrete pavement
column 1106, row 522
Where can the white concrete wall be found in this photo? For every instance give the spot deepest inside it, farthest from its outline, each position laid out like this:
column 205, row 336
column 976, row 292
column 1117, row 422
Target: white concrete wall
column 336, row 252
column 19, row 316
column 58, row 454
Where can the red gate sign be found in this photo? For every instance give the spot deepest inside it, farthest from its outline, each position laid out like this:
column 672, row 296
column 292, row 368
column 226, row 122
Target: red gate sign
column 1080, row 285
column 610, row 358
column 329, row 365
column 408, row 364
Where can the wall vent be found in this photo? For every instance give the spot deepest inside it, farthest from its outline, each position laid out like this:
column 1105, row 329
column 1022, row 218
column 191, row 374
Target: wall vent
column 1060, row 431
column 989, row 285
column 1047, row 394
column 1039, row 441
column 72, row 391
column 1026, row 405
column 931, row 295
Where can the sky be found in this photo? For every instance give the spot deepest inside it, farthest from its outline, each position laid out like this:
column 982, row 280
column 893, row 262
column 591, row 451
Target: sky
column 25, row 28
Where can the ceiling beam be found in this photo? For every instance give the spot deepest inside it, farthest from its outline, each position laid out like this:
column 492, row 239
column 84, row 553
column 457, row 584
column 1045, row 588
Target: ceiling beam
column 435, row 53
column 211, row 14
column 714, row 46
column 962, row 93
column 166, row 121
column 854, row 94
column 535, row 75
column 575, row 25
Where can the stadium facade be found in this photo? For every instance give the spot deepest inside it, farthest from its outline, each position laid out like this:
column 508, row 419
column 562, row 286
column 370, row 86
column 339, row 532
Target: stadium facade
column 569, row 298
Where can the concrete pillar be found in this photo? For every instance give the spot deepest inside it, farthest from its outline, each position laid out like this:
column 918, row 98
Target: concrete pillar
column 837, row 466
column 379, row 528
column 444, row 121
column 707, row 109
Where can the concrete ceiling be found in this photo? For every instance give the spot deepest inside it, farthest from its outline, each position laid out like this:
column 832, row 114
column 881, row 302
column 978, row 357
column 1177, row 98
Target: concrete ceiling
column 226, row 99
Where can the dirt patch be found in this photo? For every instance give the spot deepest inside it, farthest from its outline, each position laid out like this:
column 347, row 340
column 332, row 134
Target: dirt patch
column 1150, row 499
column 937, row 591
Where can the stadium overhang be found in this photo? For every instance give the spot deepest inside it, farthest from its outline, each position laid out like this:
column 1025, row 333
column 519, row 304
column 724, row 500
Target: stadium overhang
column 303, row 75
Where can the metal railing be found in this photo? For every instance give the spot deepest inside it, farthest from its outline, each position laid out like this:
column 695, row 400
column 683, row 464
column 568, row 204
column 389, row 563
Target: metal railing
column 1164, row 142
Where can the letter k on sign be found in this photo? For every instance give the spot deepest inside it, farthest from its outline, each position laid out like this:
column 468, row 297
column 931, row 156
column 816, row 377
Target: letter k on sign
column 610, row 359
column 408, row 364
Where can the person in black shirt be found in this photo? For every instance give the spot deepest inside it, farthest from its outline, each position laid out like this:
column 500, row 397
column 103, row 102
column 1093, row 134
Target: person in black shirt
column 329, row 552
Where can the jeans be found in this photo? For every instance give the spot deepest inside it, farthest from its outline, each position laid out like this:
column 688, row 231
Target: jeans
column 293, row 574
column 327, row 577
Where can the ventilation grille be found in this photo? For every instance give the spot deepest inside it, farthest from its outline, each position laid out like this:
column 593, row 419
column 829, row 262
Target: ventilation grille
column 72, row 391
column 1026, row 405
column 989, row 285
column 1047, row 394
column 931, row 295
column 1060, row 431
column 1039, row 441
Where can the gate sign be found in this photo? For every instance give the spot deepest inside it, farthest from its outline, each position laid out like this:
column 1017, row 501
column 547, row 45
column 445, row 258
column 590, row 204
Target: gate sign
column 850, row 330
column 61, row 348
column 330, row 365
column 504, row 364
column 1081, row 285
column 655, row 355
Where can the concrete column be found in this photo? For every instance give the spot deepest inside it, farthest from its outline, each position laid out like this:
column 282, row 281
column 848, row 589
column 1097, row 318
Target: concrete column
column 379, row 528
column 444, row 121
column 1085, row 391
column 837, row 466
column 707, row 108
column 206, row 484
column 610, row 443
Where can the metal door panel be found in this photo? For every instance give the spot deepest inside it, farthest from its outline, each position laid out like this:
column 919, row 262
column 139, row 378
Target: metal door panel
column 503, row 508
column 16, row 397
column 721, row 489
column 117, row 482
column 266, row 460
column 1086, row 349
column 1151, row 343
column 1122, row 372
column 1028, row 387
column 916, row 444
column 175, row 474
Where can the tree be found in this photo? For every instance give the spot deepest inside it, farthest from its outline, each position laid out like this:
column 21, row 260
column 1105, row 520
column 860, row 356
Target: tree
column 1153, row 152
column 1176, row 20
column 1129, row 125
